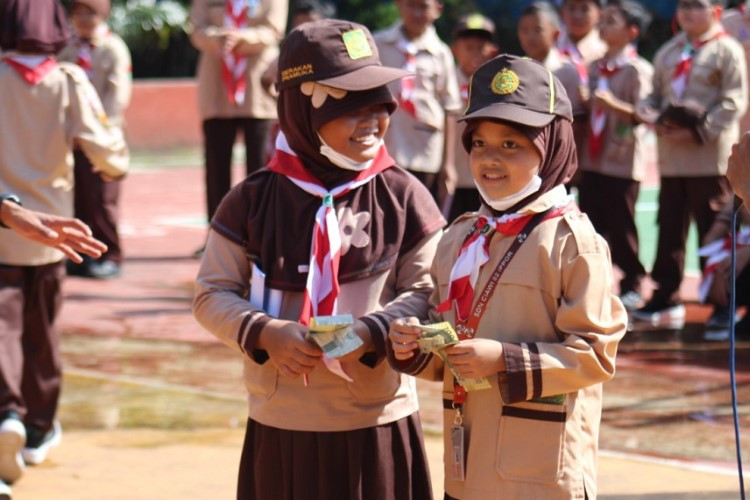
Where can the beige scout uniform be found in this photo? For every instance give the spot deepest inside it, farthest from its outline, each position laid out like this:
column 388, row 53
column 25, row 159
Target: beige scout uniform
column 623, row 152
column 38, row 166
column 417, row 144
column 555, row 299
column 718, row 80
column 590, row 46
column 111, row 71
column 567, row 73
column 737, row 24
column 260, row 43
column 377, row 396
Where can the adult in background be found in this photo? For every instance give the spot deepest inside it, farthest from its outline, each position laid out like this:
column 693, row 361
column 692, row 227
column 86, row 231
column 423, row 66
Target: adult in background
column 237, row 39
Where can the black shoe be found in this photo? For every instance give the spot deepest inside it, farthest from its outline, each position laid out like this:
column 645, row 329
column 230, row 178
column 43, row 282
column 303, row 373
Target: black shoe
column 81, row 269
column 104, row 270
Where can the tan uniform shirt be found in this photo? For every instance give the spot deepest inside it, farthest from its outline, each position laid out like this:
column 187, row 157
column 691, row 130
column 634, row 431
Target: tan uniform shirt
column 37, row 127
column 261, row 45
column 718, row 80
column 378, row 394
column 591, row 46
column 567, row 73
column 417, row 144
column 559, row 325
column 623, row 151
column 464, row 179
column 737, row 24
column 111, row 73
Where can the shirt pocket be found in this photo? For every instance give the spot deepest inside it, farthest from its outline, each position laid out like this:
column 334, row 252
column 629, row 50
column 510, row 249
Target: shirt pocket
column 530, row 442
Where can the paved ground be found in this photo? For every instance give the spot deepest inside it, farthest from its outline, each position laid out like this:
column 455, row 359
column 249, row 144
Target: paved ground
column 153, row 406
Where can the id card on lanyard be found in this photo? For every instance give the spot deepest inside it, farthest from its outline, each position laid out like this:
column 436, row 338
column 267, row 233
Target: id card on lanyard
column 466, row 329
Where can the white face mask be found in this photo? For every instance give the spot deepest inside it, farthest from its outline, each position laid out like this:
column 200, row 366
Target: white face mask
column 503, row 204
column 343, row 161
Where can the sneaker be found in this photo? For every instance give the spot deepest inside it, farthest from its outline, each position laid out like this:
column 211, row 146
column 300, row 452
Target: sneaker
column 5, row 491
column 631, row 300
column 661, row 315
column 12, row 439
column 719, row 319
column 104, row 270
column 39, row 443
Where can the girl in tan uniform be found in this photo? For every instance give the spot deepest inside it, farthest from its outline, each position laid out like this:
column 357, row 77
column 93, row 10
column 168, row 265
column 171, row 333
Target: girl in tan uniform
column 46, row 106
column 527, row 284
column 331, row 226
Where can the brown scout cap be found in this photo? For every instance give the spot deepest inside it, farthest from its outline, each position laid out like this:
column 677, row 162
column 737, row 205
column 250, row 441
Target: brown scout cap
column 474, row 24
column 340, row 54
column 516, row 89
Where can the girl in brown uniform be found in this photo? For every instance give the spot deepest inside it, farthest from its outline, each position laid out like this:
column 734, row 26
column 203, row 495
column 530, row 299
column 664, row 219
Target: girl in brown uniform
column 331, row 226
column 527, row 284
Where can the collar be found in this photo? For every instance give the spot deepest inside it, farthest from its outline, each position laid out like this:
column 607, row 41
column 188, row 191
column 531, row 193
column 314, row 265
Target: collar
column 427, row 41
column 551, row 198
column 100, row 34
column 554, row 60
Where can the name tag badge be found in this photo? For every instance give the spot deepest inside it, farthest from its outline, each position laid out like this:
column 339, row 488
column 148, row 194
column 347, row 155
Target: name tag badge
column 458, row 466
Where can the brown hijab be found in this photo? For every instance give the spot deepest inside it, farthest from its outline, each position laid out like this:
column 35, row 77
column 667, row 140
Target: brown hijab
column 33, row 26
column 558, row 151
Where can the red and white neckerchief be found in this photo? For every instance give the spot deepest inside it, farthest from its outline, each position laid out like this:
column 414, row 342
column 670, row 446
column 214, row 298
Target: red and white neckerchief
column 606, row 69
column 408, row 83
column 715, row 253
column 474, row 253
column 322, row 287
column 682, row 70
column 32, row 69
column 233, row 65
column 83, row 58
column 569, row 49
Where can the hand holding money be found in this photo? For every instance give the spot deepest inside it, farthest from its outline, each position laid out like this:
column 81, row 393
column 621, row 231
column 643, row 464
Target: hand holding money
column 436, row 338
column 334, row 334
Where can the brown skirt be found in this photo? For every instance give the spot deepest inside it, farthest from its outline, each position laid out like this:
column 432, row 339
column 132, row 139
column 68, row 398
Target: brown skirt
column 377, row 463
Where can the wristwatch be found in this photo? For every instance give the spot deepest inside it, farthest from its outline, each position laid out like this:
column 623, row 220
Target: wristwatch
column 10, row 197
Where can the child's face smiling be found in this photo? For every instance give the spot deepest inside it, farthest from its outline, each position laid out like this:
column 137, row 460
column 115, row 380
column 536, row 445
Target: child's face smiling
column 356, row 135
column 85, row 20
column 537, row 35
column 503, row 160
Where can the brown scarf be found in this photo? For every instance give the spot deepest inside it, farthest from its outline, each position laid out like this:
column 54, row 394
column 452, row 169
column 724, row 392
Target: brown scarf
column 273, row 219
column 556, row 146
column 33, row 26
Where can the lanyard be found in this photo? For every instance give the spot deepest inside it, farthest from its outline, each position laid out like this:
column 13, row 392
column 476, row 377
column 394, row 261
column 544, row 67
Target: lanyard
column 467, row 329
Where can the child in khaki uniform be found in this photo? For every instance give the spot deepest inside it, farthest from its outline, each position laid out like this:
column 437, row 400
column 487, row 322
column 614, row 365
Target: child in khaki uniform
column 538, row 32
column 106, row 60
column 699, row 95
column 527, row 284
column 46, row 107
column 472, row 46
column 614, row 158
column 238, row 40
column 331, row 226
column 421, row 136
column 737, row 23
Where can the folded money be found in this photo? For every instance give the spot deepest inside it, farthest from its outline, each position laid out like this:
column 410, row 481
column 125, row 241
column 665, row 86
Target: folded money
column 435, row 338
column 334, row 334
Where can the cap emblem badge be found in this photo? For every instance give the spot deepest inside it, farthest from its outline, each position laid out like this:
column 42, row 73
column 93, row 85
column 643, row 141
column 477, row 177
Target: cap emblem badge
column 505, row 82
column 475, row 22
column 356, row 44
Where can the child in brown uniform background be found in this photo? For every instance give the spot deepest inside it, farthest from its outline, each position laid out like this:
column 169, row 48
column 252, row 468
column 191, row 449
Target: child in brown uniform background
column 472, row 46
column 613, row 162
column 46, row 106
column 106, row 60
column 335, row 227
column 527, row 284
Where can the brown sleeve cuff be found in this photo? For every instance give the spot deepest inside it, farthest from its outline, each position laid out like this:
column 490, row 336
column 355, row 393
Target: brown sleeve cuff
column 378, row 331
column 512, row 382
column 248, row 344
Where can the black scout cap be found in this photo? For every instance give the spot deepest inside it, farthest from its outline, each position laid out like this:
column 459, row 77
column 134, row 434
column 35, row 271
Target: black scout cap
column 516, row 89
column 340, row 54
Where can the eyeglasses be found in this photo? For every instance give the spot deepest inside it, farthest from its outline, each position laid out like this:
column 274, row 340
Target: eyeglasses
column 692, row 6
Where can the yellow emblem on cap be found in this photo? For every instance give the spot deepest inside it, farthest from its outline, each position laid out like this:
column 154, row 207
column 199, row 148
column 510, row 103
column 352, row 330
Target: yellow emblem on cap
column 356, row 44
column 505, row 82
column 475, row 22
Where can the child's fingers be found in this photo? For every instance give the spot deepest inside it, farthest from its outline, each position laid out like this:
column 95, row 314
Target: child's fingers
column 309, row 348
